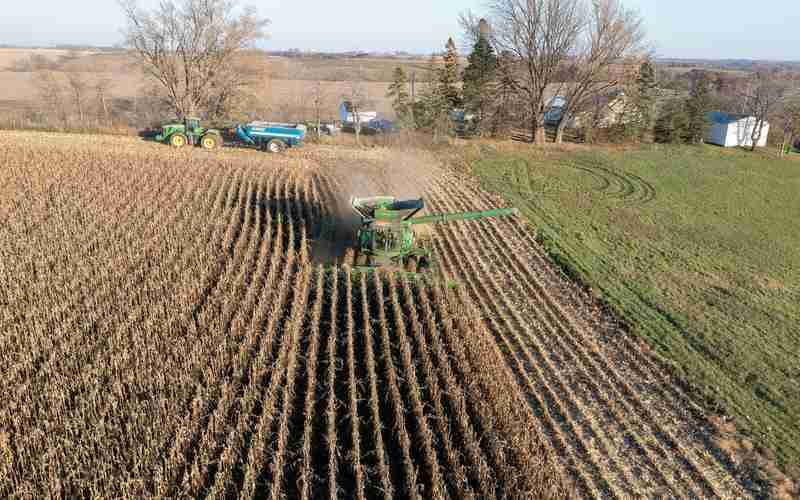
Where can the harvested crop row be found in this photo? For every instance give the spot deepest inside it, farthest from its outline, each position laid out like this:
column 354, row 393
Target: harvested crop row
column 671, row 460
column 698, row 460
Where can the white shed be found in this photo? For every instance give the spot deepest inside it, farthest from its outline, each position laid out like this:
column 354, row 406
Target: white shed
column 734, row 130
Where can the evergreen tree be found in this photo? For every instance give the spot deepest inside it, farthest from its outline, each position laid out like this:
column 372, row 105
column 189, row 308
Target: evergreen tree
column 697, row 107
column 636, row 118
column 645, row 99
column 672, row 123
column 401, row 101
column 432, row 111
column 449, row 76
column 479, row 77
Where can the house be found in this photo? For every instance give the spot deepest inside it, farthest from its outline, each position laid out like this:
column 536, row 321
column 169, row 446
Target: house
column 734, row 130
column 603, row 110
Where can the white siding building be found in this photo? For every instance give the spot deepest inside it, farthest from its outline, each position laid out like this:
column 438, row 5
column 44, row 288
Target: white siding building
column 734, row 130
column 348, row 117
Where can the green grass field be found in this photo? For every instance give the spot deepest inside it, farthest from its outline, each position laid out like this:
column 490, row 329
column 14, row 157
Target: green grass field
column 698, row 249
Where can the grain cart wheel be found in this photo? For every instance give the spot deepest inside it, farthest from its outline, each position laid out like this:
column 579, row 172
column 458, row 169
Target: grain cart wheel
column 210, row 142
column 276, row 146
column 178, row 140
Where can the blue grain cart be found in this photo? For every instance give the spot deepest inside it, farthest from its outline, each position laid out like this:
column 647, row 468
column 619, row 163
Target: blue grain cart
column 272, row 137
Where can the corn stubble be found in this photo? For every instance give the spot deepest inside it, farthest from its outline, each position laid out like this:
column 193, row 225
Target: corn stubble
column 165, row 333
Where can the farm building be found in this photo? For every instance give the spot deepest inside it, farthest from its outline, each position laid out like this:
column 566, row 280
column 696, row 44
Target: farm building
column 347, row 115
column 603, row 110
column 734, row 130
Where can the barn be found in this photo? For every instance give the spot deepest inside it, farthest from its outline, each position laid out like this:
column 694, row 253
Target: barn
column 734, row 130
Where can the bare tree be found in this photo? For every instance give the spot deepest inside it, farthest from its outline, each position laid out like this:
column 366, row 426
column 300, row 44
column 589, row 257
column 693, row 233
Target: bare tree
column 539, row 35
column 763, row 96
column 317, row 97
column 79, row 88
column 470, row 28
column 189, row 48
column 51, row 95
column 102, row 88
column 789, row 119
column 612, row 34
column 356, row 98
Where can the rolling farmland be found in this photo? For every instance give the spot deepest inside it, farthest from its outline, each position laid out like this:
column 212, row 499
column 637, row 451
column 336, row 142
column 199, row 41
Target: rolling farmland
column 174, row 325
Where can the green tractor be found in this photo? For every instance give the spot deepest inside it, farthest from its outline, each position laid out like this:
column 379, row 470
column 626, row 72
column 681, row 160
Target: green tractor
column 190, row 132
column 387, row 237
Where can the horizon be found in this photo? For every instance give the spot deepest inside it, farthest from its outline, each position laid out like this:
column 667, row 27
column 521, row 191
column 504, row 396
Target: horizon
column 311, row 52
column 394, row 28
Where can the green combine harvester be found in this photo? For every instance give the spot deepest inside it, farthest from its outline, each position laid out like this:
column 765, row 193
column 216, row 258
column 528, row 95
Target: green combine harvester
column 387, row 239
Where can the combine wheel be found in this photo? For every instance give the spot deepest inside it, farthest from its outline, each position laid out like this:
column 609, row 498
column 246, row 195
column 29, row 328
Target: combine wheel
column 423, row 265
column 211, row 142
column 178, row 140
column 349, row 257
column 276, row 146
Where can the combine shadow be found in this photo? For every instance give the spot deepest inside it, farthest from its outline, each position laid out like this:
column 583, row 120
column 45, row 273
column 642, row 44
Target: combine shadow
column 337, row 234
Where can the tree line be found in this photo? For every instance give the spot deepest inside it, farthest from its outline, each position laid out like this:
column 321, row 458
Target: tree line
column 545, row 66
column 560, row 64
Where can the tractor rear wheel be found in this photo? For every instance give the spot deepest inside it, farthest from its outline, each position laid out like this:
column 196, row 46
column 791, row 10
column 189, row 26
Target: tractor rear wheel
column 276, row 146
column 178, row 140
column 210, row 142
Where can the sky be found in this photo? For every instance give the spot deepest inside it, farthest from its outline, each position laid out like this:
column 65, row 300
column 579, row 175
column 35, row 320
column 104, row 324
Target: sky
column 702, row 29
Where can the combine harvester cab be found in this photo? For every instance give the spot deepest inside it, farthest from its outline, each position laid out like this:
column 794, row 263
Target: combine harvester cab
column 386, row 238
column 272, row 137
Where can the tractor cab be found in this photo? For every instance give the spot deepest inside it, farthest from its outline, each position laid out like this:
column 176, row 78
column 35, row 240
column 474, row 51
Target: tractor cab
column 193, row 125
column 194, row 129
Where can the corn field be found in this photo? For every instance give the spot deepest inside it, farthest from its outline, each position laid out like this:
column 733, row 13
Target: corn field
column 165, row 333
column 168, row 330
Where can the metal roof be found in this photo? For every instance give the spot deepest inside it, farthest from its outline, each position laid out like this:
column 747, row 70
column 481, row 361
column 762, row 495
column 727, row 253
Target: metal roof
column 725, row 118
